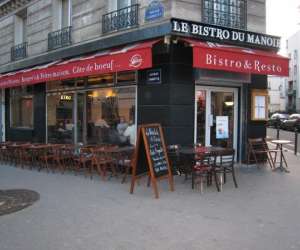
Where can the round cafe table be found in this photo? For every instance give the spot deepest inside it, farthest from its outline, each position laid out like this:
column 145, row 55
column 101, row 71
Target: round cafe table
column 282, row 164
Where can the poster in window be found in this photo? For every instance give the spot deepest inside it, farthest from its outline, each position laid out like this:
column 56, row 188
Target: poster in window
column 222, row 127
column 260, row 107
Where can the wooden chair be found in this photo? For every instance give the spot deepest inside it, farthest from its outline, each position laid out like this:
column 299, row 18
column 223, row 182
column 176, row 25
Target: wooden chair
column 67, row 153
column 259, row 152
column 204, row 169
column 104, row 161
column 44, row 157
column 174, row 159
column 225, row 165
column 83, row 161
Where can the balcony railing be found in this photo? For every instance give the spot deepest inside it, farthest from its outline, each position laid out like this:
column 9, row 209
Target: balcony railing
column 60, row 38
column 18, row 52
column 291, row 91
column 121, row 19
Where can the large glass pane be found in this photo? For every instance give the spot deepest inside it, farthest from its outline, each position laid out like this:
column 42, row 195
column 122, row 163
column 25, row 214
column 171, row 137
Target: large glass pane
column 65, row 14
column 201, row 114
column 21, row 108
column 60, row 118
column 81, row 117
column 222, row 110
column 109, row 112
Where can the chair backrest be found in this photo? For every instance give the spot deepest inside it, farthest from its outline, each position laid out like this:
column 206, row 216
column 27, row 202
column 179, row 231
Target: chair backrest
column 257, row 144
column 227, row 157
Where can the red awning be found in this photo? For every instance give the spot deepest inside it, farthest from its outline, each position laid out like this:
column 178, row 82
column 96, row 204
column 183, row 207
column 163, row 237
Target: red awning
column 207, row 55
column 132, row 57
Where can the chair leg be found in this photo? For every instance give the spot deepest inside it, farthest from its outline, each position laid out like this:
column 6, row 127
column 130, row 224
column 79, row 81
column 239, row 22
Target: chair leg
column 221, row 181
column 216, row 181
column 126, row 174
column 201, row 184
column 100, row 171
column 148, row 181
column 224, row 176
column 193, row 179
column 91, row 171
column 233, row 177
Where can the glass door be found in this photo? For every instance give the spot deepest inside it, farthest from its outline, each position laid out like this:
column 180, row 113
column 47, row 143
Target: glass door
column 216, row 116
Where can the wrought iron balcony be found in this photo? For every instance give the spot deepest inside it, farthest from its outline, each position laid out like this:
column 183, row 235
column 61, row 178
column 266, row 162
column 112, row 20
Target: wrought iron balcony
column 292, row 92
column 18, row 52
column 121, row 19
column 225, row 13
column 60, row 38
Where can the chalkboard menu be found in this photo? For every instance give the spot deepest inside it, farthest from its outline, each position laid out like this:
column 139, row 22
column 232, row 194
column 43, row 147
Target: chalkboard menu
column 157, row 154
column 151, row 157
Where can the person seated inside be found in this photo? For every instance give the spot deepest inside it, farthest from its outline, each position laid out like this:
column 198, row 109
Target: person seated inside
column 61, row 127
column 130, row 133
column 101, row 123
column 121, row 127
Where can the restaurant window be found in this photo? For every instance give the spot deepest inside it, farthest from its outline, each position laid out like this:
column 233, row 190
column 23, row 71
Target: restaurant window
column 60, row 117
column 62, row 85
column 228, row 13
column 126, row 77
column 100, row 79
column 21, row 107
column 110, row 111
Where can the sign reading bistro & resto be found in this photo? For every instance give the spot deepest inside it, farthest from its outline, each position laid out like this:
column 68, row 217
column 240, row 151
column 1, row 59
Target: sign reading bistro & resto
column 235, row 59
column 225, row 35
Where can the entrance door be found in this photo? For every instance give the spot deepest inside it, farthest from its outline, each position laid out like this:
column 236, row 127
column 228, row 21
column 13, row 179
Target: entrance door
column 216, row 116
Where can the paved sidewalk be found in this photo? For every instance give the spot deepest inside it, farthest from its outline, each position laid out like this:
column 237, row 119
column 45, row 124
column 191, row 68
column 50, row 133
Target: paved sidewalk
column 82, row 214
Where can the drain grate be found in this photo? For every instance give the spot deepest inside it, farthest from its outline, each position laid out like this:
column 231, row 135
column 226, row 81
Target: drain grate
column 13, row 200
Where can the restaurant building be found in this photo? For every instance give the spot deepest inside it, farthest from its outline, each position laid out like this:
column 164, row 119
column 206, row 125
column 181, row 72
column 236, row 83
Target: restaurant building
column 70, row 70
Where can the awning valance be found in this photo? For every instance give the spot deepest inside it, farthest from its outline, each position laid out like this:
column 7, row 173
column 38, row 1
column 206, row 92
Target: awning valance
column 207, row 55
column 132, row 57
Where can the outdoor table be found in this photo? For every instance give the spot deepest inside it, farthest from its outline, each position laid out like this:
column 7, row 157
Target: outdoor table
column 191, row 154
column 279, row 145
column 202, row 150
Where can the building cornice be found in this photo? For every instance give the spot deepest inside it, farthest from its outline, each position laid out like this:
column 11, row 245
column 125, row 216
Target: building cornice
column 9, row 6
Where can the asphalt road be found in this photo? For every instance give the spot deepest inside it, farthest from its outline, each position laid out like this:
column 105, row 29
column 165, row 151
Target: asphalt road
column 285, row 135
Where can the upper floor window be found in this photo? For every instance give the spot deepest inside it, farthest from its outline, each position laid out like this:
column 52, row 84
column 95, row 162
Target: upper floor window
column 295, row 54
column 20, row 28
column 61, row 14
column 122, row 14
column 19, row 50
column 120, row 4
column 228, row 13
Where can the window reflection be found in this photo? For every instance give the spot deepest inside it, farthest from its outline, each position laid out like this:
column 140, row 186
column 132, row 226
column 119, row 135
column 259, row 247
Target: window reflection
column 60, row 118
column 109, row 113
column 21, row 107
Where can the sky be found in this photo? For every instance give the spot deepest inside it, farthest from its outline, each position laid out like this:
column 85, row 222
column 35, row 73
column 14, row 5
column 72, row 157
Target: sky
column 283, row 19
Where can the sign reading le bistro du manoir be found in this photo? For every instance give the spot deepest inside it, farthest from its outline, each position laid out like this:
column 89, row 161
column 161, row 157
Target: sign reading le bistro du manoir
column 224, row 34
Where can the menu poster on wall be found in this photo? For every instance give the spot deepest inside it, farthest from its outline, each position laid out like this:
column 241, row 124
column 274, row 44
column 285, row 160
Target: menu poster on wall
column 260, row 107
column 222, row 127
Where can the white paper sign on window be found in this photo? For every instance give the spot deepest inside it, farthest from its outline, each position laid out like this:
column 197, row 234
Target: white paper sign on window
column 222, row 127
column 260, row 107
